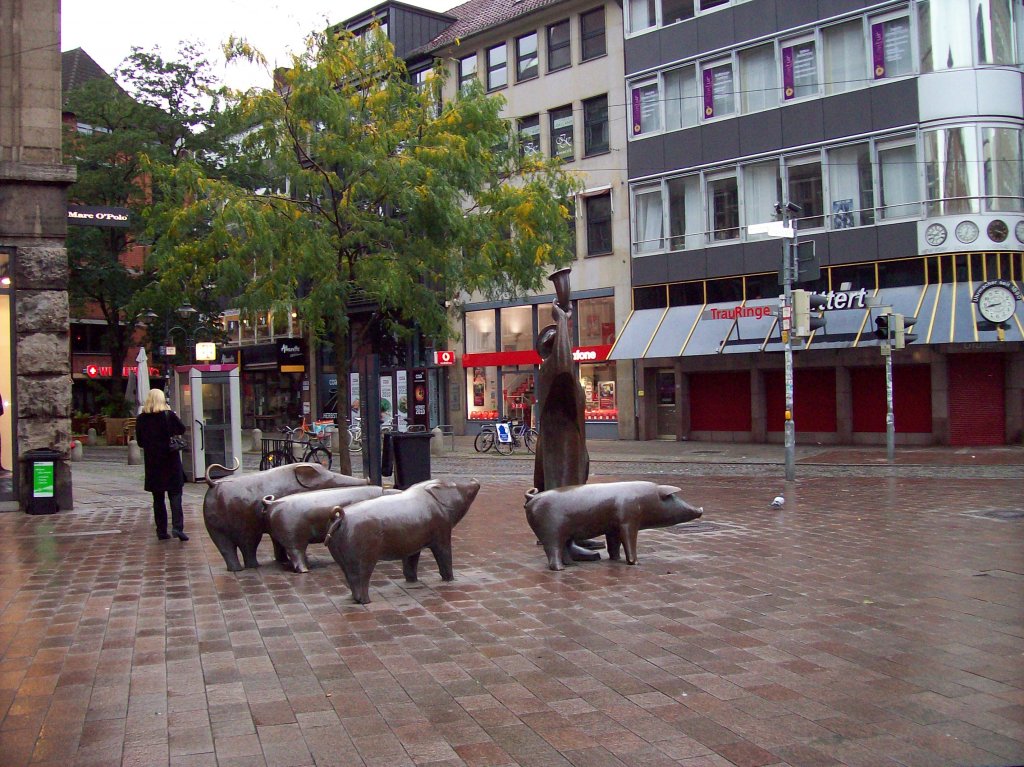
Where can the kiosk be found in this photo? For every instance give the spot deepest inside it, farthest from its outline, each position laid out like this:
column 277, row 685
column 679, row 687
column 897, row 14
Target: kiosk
column 208, row 399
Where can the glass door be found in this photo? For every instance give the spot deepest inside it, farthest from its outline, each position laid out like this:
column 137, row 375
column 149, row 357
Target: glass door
column 668, row 409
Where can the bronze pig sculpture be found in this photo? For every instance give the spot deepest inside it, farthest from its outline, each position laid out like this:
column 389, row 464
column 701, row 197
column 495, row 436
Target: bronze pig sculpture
column 298, row 520
column 617, row 510
column 399, row 527
column 233, row 509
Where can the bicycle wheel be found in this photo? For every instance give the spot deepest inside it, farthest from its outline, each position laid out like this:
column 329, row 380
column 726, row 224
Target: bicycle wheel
column 530, row 438
column 320, row 455
column 505, row 448
column 484, row 441
column 275, row 458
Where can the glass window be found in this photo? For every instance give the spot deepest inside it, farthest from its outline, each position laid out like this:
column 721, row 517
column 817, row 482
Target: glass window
column 598, row 382
column 482, row 393
column 944, row 34
column 799, row 69
column 562, row 145
column 592, row 38
column 950, row 157
column 497, row 67
column 724, row 208
column 526, row 57
column 642, row 15
column 891, row 54
column 647, row 222
column 559, row 51
column 529, row 134
column 599, row 224
column 803, row 177
column 646, row 108
column 897, row 181
column 845, row 58
column 596, row 321
column 467, row 71
column 685, row 219
column 480, row 332
column 850, row 186
column 1001, row 157
column 595, row 125
column 680, row 98
column 758, row 86
column 762, row 188
column 993, row 30
column 676, row 10
column 707, row 5
column 516, row 328
column 719, row 96
column 517, row 388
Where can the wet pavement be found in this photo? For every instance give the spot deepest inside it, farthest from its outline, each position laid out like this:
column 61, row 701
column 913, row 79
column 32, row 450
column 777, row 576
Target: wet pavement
column 876, row 619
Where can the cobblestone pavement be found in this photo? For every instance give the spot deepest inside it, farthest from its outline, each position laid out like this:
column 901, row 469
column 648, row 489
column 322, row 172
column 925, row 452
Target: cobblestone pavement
column 874, row 620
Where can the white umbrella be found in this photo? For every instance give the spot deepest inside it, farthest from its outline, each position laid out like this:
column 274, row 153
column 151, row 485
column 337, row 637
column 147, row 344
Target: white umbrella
column 130, row 390
column 142, row 378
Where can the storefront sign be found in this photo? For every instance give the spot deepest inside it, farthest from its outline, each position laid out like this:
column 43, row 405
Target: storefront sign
column 291, row 355
column 206, row 351
column 353, row 393
column 98, row 215
column 106, row 371
column 419, row 397
column 530, row 357
column 444, row 358
column 402, row 398
column 387, row 403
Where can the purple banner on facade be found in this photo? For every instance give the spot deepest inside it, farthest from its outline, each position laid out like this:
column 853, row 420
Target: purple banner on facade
column 637, row 109
column 878, row 49
column 788, row 91
column 709, row 93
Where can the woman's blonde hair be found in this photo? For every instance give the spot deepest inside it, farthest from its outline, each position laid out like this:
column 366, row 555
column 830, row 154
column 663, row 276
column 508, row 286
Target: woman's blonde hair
column 156, row 402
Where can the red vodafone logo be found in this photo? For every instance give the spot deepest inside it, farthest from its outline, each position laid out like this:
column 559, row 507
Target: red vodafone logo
column 92, row 370
column 445, row 357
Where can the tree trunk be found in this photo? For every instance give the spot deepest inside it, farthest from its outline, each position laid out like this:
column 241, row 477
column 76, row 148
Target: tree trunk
column 342, row 368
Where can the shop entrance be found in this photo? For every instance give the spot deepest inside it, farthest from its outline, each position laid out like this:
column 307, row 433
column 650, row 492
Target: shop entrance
column 668, row 405
column 977, row 399
column 210, row 405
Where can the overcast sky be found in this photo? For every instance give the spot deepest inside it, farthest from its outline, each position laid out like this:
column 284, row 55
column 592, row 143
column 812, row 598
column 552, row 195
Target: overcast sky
column 107, row 30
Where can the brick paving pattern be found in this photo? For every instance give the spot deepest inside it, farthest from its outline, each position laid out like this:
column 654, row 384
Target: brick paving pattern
column 874, row 620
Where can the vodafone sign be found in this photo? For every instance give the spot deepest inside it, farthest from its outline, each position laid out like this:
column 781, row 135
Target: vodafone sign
column 444, row 358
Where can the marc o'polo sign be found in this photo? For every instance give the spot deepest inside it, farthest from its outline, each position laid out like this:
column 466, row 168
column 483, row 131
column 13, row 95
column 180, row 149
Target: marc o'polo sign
column 97, row 215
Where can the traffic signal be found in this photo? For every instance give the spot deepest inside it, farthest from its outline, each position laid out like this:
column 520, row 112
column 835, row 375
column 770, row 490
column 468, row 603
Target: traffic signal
column 882, row 327
column 899, row 330
column 804, row 303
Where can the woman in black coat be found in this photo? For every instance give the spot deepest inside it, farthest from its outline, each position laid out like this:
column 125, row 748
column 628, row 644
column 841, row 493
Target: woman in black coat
column 154, row 427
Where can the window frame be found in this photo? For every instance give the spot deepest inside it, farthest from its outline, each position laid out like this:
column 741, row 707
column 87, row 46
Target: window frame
column 585, row 36
column 554, row 132
column 704, row 88
column 637, row 107
column 521, row 128
column 466, row 78
column 790, row 43
column 492, row 69
column 588, row 151
column 873, row 20
column 709, row 178
column 520, row 76
column 804, row 160
column 915, row 206
column 646, row 188
column 589, row 223
column 550, row 49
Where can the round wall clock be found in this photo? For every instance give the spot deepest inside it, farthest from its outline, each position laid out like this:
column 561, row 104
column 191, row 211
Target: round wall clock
column 997, row 303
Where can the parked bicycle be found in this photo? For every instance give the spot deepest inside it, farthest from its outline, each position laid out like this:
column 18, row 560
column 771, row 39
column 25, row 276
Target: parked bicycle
column 282, row 452
column 518, row 434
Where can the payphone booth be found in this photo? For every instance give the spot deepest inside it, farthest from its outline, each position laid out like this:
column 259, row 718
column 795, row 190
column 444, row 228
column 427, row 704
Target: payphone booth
column 208, row 399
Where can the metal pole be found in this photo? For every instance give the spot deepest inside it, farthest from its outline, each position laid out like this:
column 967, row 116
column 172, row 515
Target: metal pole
column 890, row 417
column 788, row 269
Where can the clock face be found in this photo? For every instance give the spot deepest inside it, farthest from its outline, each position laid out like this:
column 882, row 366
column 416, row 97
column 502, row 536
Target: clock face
column 935, row 235
column 967, row 231
column 997, row 304
column 998, row 231
column 1019, row 231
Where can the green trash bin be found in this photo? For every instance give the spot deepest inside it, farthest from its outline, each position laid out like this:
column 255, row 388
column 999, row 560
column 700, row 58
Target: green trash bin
column 42, row 473
column 412, row 457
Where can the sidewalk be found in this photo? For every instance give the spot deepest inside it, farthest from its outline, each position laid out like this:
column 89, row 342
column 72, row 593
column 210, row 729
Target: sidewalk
column 870, row 622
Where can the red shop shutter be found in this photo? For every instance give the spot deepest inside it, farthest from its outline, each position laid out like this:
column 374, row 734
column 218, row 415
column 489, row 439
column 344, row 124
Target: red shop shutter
column 977, row 399
column 720, row 401
column 911, row 394
column 814, row 399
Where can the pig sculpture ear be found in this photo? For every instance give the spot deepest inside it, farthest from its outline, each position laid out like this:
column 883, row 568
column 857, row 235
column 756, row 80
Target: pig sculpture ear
column 664, row 491
column 434, row 488
column 307, row 474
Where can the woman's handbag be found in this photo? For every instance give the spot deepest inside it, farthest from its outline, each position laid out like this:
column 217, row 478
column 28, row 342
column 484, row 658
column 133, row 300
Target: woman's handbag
column 176, row 443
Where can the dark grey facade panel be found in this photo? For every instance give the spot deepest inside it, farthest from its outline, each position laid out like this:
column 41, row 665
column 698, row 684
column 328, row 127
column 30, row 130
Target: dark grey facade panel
column 409, row 30
column 847, row 114
column 678, row 41
column 795, row 13
column 802, row 123
column 651, row 270
column 762, row 255
column 761, row 132
column 851, row 246
column 682, row 149
column 896, row 241
column 686, row 265
column 757, row 19
column 725, row 260
column 715, row 30
column 642, row 53
column 720, row 141
column 829, row 8
column 894, row 104
column 646, row 157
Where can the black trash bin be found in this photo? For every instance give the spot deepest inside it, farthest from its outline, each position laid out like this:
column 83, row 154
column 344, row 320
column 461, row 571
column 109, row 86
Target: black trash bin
column 41, row 471
column 412, row 457
column 387, row 454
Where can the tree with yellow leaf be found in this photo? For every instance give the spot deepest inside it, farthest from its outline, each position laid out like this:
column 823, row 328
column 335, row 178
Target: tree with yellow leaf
column 350, row 187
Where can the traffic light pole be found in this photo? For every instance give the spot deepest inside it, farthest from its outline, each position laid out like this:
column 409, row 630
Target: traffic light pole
column 788, row 275
column 890, row 416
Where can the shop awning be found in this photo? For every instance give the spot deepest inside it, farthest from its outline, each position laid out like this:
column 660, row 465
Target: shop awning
column 675, row 332
column 636, row 334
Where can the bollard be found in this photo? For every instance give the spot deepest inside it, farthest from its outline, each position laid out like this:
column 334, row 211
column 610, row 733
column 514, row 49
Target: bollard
column 90, row 437
column 77, row 454
column 257, row 440
column 437, row 443
column 134, row 453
